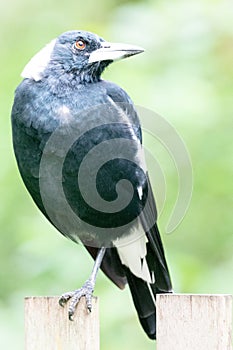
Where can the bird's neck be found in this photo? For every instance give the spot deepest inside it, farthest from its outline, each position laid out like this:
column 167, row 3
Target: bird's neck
column 61, row 84
column 61, row 77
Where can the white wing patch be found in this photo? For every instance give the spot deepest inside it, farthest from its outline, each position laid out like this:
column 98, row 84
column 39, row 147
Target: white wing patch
column 38, row 63
column 140, row 192
column 132, row 252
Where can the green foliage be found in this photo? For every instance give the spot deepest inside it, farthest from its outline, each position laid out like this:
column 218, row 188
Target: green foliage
column 185, row 75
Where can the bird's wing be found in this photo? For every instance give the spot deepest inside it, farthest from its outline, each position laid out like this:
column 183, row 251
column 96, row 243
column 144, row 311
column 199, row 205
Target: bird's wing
column 153, row 253
column 154, row 276
column 154, row 249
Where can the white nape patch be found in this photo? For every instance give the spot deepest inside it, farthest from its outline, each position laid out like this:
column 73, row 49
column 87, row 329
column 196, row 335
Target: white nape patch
column 132, row 253
column 38, row 63
column 140, row 192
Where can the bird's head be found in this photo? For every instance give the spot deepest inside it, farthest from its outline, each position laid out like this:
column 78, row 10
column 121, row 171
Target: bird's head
column 80, row 54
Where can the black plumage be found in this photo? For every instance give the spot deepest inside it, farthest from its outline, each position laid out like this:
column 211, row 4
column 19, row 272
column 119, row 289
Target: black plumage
column 62, row 91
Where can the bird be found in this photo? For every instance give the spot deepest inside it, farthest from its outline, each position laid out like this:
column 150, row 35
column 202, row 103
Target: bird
column 77, row 140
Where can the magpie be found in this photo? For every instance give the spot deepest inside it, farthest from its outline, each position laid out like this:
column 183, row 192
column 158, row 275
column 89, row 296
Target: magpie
column 63, row 113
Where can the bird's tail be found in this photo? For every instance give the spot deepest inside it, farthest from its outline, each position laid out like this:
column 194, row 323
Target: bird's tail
column 144, row 293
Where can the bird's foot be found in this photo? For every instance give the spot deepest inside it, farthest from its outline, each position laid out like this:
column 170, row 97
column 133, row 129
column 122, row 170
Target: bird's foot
column 85, row 291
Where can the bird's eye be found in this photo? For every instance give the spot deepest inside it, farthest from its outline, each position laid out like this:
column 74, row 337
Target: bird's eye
column 80, row 44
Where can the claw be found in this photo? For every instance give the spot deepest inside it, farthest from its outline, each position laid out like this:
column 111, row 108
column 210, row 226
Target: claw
column 65, row 297
column 85, row 291
column 70, row 315
column 62, row 301
column 89, row 302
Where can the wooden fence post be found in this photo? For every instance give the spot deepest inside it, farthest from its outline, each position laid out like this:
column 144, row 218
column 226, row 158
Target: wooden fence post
column 47, row 326
column 194, row 322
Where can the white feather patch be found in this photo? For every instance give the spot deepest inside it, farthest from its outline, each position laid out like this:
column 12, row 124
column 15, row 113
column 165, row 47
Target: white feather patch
column 132, row 252
column 38, row 63
column 64, row 114
column 140, row 192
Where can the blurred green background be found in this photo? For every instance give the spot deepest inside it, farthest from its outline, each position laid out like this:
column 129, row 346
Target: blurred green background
column 186, row 75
